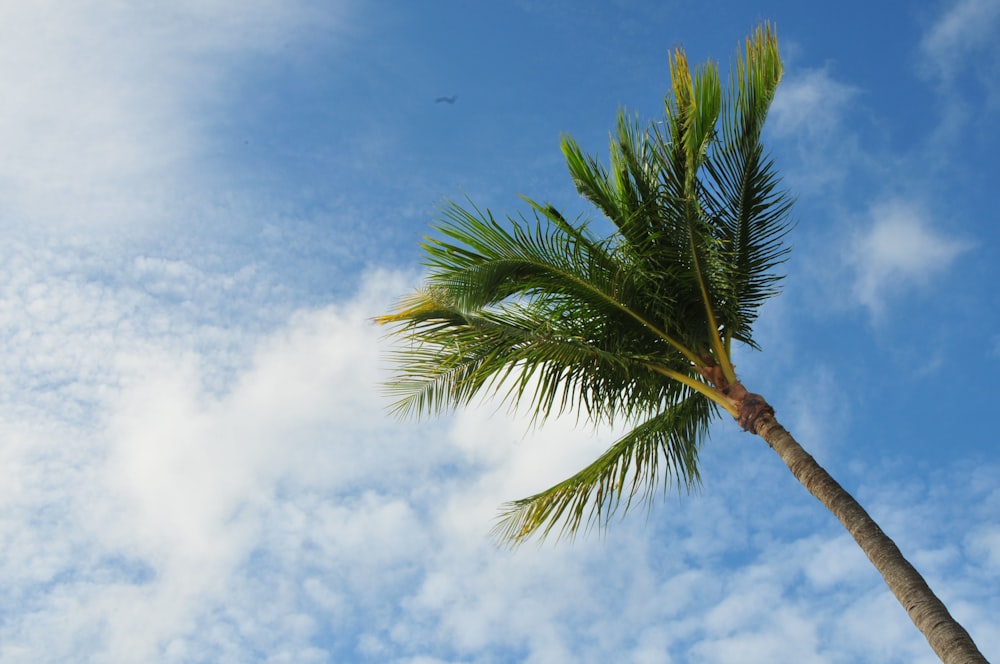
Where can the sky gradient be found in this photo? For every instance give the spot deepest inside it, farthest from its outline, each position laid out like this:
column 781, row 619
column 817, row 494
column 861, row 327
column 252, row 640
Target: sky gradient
column 204, row 203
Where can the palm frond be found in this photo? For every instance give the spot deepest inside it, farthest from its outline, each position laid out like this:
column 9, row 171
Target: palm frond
column 743, row 193
column 658, row 452
column 592, row 181
column 546, row 362
column 691, row 115
column 481, row 263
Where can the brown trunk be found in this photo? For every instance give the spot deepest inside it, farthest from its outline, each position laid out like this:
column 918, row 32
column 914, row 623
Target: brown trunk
column 948, row 639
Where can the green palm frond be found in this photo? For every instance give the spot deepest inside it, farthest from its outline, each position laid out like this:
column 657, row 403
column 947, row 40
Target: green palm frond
column 642, row 194
column 480, row 263
column 691, row 114
column 552, row 354
column 742, row 192
column 539, row 367
column 659, row 452
column 629, row 194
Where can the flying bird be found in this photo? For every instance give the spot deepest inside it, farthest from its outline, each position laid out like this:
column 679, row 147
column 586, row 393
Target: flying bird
column 446, row 100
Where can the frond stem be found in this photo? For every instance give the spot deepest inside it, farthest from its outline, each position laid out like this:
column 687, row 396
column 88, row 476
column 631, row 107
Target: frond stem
column 713, row 328
column 696, row 385
column 678, row 346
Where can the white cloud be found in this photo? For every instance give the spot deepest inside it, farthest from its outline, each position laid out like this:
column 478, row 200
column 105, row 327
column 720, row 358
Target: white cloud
column 962, row 29
column 900, row 250
column 807, row 114
column 810, row 102
column 286, row 517
column 836, row 563
column 958, row 49
column 986, row 544
column 159, row 507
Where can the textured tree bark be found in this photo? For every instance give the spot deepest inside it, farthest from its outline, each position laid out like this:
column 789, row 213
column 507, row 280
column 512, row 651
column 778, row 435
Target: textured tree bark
column 944, row 634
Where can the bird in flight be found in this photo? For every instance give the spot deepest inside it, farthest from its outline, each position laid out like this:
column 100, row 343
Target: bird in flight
column 446, row 100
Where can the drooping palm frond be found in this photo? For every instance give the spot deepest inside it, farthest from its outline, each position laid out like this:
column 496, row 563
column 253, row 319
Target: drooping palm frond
column 661, row 450
column 542, row 365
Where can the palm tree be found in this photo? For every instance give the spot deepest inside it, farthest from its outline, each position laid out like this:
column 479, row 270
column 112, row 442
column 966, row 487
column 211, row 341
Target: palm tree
column 637, row 325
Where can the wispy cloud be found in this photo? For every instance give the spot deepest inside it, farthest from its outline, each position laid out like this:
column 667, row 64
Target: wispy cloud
column 807, row 115
column 962, row 41
column 894, row 247
column 811, row 102
column 104, row 116
column 899, row 250
column 965, row 27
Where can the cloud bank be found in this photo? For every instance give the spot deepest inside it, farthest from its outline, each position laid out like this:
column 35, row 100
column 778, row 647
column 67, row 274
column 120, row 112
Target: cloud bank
column 286, row 518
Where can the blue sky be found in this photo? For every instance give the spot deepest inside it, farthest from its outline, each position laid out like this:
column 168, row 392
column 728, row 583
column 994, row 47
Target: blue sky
column 202, row 205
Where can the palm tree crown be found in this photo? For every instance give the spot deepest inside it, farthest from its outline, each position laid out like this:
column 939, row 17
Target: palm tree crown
column 636, row 325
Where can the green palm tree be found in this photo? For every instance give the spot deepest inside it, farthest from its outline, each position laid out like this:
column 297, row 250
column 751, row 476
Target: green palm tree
column 638, row 325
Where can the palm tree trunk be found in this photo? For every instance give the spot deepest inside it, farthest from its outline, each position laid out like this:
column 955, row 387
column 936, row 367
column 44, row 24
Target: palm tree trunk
column 948, row 638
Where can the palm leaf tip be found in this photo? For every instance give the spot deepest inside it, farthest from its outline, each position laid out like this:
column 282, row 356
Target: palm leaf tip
column 398, row 316
column 419, row 305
